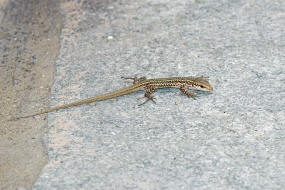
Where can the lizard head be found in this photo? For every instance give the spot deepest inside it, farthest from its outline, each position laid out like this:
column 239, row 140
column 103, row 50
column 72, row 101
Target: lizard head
column 200, row 83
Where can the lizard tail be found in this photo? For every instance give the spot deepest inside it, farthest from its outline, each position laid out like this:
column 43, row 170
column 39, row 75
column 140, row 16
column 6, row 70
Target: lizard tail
column 110, row 95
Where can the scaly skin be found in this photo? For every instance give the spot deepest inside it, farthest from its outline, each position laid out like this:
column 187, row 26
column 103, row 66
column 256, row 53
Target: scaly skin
column 149, row 85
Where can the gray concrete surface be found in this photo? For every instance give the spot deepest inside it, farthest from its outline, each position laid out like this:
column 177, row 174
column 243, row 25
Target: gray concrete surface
column 29, row 45
column 233, row 138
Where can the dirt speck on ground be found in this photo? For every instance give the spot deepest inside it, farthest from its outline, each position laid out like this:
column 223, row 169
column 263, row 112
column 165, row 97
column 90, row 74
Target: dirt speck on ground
column 29, row 45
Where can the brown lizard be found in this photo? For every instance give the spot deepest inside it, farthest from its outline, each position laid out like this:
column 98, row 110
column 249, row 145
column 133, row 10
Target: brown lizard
column 149, row 85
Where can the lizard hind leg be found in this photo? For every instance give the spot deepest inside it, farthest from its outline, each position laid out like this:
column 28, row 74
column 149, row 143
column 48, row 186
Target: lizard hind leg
column 189, row 94
column 135, row 79
column 149, row 91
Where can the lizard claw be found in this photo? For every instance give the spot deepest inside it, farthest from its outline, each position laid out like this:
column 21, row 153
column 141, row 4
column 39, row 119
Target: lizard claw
column 148, row 99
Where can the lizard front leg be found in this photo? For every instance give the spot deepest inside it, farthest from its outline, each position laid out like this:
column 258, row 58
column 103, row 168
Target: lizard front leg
column 149, row 91
column 189, row 94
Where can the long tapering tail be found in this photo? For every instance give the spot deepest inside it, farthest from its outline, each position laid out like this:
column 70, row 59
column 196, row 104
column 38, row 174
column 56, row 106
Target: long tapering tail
column 121, row 92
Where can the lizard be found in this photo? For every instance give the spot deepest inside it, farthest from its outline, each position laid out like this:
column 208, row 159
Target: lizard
column 149, row 85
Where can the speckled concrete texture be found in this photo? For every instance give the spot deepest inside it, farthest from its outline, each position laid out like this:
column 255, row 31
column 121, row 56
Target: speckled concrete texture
column 29, row 45
column 233, row 138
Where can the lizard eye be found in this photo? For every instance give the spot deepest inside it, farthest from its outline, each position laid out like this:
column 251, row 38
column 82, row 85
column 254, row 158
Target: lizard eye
column 202, row 86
